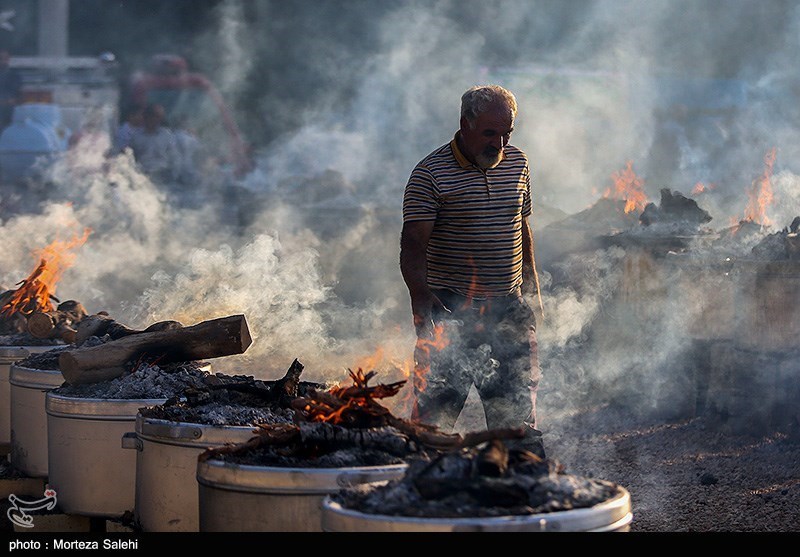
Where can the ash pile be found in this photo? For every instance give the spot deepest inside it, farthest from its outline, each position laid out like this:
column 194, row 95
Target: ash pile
column 347, row 426
column 487, row 481
column 675, row 222
column 235, row 400
column 144, row 381
column 694, row 321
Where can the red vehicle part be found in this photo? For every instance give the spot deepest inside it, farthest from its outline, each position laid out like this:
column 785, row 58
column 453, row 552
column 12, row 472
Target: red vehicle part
column 170, row 75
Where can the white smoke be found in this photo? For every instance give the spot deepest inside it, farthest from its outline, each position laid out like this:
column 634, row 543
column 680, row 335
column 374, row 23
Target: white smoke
column 307, row 245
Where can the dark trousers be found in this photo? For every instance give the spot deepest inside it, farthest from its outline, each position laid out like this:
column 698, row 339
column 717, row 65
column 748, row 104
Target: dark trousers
column 487, row 343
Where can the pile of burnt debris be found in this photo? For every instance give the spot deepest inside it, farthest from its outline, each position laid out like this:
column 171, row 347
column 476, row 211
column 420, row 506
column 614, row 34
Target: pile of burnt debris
column 235, row 400
column 482, row 481
column 345, row 427
column 144, row 381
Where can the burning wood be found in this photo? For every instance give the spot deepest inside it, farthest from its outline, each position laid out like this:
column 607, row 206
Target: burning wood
column 236, row 400
column 33, row 299
column 209, row 339
column 330, row 424
column 58, row 323
column 357, row 406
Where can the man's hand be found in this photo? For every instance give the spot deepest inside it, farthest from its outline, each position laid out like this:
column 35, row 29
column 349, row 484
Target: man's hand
column 422, row 307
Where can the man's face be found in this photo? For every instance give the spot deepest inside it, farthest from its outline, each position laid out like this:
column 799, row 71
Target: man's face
column 486, row 137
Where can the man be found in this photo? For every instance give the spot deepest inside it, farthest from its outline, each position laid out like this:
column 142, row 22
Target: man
column 154, row 146
column 466, row 255
column 10, row 88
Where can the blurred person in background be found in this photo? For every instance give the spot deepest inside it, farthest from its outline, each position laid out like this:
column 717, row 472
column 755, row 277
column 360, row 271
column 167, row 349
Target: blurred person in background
column 155, row 147
column 132, row 123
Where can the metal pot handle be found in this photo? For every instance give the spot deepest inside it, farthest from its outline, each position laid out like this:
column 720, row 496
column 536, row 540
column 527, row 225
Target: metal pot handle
column 131, row 441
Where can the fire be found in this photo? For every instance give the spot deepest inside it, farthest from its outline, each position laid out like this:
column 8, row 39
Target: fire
column 700, row 187
column 760, row 193
column 628, row 187
column 34, row 293
column 422, row 355
column 355, row 405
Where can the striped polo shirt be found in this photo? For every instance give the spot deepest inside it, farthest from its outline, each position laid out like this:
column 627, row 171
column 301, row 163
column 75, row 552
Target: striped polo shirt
column 475, row 248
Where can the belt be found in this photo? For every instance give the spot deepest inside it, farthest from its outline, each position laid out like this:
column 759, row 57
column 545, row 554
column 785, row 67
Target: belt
column 476, row 303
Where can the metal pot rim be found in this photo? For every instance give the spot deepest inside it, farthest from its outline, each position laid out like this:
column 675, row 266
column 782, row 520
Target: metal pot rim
column 124, row 409
column 612, row 514
column 15, row 353
column 32, row 378
column 188, row 433
column 216, row 473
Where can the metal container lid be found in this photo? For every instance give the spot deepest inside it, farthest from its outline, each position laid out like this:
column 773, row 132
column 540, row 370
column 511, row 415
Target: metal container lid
column 11, row 354
column 185, row 433
column 21, row 376
column 298, row 481
column 611, row 515
column 96, row 408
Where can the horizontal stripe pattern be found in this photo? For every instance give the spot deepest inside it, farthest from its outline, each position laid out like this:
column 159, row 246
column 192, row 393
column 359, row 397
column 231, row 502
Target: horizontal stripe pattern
column 476, row 245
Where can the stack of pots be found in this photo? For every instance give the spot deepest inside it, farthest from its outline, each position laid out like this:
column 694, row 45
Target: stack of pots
column 89, row 467
column 9, row 355
column 29, row 387
column 166, row 455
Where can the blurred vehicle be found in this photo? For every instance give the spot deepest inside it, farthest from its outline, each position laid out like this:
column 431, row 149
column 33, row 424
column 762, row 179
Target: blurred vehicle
column 58, row 97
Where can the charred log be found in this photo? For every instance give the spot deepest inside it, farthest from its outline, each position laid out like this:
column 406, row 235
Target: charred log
column 60, row 323
column 209, row 339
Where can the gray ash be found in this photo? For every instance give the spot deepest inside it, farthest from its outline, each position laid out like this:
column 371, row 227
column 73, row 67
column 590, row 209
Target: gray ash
column 43, row 360
column 220, row 414
column 26, row 339
column 235, row 400
column 467, row 484
column 221, row 407
column 778, row 246
column 146, row 381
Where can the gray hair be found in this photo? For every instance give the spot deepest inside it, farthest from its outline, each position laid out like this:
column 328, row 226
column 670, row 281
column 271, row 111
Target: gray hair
column 480, row 98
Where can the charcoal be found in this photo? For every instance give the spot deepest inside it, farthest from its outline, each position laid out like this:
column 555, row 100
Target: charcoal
column 453, row 486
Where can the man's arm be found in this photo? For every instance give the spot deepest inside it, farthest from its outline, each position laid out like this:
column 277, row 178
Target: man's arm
column 530, row 278
column 414, row 268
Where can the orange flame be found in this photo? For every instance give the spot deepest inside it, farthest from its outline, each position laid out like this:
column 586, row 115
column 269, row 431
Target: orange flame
column 424, row 346
column 700, row 187
column 353, row 405
column 628, row 187
column 34, row 292
column 760, row 194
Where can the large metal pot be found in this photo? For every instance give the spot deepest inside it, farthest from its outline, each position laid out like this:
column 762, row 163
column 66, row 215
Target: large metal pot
column 244, row 498
column 29, row 419
column 166, row 469
column 613, row 515
column 88, row 468
column 9, row 355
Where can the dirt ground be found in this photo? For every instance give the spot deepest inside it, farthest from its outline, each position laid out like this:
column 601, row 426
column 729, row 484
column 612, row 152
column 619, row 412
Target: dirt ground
column 687, row 475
